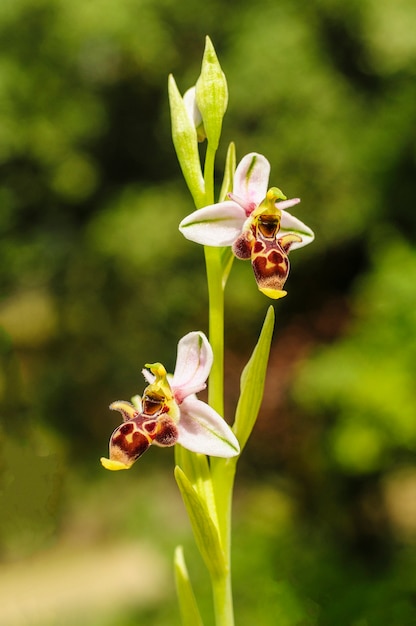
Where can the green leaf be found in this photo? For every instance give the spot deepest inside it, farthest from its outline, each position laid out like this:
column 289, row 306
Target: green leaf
column 230, row 165
column 252, row 382
column 211, row 94
column 227, row 260
column 194, row 465
column 187, row 601
column 197, row 470
column 185, row 140
column 205, row 532
column 227, row 256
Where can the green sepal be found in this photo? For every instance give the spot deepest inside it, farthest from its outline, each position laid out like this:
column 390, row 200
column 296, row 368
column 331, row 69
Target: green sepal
column 252, row 382
column 211, row 94
column 187, row 602
column 185, row 140
column 205, row 532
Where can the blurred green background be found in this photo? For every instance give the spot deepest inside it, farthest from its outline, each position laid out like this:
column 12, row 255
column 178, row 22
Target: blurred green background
column 96, row 280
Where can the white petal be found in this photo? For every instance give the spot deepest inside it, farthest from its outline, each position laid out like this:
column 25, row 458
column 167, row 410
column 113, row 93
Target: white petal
column 191, row 107
column 290, row 224
column 193, row 365
column 202, row 430
column 251, row 179
column 214, row 225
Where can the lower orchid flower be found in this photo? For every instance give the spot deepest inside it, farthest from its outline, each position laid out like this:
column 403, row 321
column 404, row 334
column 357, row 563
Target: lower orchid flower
column 255, row 223
column 169, row 411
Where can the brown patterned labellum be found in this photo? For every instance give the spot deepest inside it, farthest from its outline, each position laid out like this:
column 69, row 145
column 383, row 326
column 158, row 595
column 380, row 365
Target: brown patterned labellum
column 131, row 439
column 267, row 251
column 270, row 264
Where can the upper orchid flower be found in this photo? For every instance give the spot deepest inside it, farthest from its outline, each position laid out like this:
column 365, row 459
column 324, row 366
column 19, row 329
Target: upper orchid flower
column 255, row 222
column 170, row 412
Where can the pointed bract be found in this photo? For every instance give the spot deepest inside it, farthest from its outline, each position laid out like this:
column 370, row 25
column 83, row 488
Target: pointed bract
column 185, row 140
column 211, row 94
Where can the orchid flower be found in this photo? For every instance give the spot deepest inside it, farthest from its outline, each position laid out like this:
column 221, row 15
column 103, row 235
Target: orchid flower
column 169, row 411
column 255, row 222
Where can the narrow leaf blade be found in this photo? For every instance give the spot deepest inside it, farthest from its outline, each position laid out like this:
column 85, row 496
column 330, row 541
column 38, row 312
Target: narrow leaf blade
column 187, row 602
column 252, row 382
column 230, row 165
column 195, row 466
column 205, row 533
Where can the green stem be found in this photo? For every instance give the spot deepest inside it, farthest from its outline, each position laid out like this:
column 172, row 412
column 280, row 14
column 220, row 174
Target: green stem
column 209, row 174
column 216, row 327
column 216, row 298
column 223, row 601
column 221, row 587
column 222, row 474
column 222, row 486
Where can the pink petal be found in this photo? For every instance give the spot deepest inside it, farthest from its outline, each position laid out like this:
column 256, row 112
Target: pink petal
column 202, row 430
column 251, row 179
column 214, row 225
column 193, row 365
column 287, row 204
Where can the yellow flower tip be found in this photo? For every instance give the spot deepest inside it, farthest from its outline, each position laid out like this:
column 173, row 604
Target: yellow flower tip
column 273, row 293
column 114, row 466
column 268, row 205
column 157, row 369
column 274, row 194
column 160, row 386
